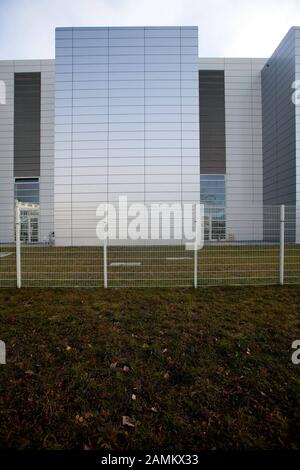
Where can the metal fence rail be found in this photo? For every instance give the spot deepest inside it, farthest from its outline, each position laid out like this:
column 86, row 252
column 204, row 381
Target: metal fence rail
column 259, row 246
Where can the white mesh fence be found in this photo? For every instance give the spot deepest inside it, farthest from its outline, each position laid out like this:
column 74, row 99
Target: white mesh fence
column 7, row 263
column 253, row 246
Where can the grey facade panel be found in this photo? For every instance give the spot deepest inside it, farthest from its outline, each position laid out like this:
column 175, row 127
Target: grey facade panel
column 279, row 133
column 278, row 123
column 27, row 119
column 212, row 122
column 126, row 122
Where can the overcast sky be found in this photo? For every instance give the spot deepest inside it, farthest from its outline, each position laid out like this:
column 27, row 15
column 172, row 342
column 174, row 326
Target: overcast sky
column 230, row 28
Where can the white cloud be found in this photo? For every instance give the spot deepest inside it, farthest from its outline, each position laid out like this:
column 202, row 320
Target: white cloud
column 226, row 28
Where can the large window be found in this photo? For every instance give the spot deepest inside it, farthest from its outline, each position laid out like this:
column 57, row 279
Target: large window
column 212, row 195
column 27, row 190
column 212, row 190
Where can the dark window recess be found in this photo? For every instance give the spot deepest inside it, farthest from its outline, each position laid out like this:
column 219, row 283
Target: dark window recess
column 27, row 128
column 212, row 122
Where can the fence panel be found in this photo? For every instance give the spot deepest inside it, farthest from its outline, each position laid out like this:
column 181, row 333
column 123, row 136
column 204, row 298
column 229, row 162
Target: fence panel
column 292, row 245
column 45, row 265
column 7, row 251
column 7, row 264
column 244, row 250
column 240, row 248
column 66, row 266
column 166, row 265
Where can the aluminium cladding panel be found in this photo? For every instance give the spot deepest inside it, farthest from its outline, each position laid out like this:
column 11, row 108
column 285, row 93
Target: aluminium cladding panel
column 6, row 151
column 243, row 147
column 279, row 127
column 127, row 121
column 47, row 149
column 297, row 110
column 243, row 180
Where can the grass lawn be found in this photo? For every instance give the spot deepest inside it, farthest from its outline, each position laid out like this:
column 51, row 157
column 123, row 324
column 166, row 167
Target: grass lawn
column 209, row 368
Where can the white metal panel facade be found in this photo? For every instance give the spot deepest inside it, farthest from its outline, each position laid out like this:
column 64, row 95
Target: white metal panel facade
column 127, row 122
column 243, row 137
column 6, row 153
column 7, row 71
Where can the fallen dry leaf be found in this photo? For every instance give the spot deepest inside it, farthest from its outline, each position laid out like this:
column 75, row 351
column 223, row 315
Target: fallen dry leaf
column 127, row 421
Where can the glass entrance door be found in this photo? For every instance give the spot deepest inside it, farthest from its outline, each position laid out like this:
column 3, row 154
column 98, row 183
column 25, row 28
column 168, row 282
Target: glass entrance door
column 33, row 229
column 29, row 228
column 214, row 225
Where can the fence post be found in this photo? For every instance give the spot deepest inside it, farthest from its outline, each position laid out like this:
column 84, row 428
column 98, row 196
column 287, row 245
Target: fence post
column 105, row 263
column 281, row 261
column 18, row 246
column 196, row 256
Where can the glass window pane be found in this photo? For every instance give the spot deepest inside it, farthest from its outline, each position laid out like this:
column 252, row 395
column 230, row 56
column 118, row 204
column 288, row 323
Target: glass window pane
column 27, row 190
column 212, row 190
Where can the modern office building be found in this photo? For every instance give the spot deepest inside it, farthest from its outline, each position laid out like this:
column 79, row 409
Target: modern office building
column 136, row 112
